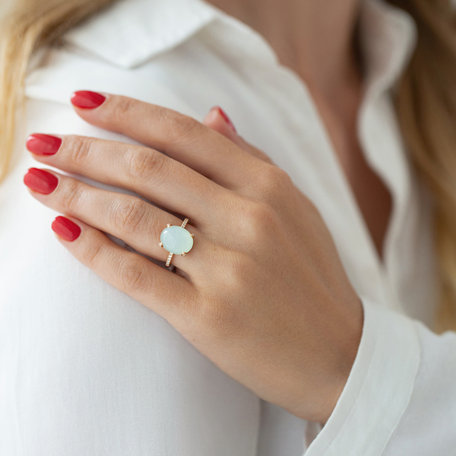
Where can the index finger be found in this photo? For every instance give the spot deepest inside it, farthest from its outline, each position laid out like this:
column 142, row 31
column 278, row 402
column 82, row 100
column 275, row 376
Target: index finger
column 179, row 136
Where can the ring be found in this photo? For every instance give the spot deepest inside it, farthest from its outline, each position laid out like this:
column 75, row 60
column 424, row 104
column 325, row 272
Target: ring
column 176, row 240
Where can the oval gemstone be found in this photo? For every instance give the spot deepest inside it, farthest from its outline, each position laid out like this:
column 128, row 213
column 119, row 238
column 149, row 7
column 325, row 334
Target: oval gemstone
column 176, row 239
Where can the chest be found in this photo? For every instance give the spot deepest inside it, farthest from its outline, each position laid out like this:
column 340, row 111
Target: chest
column 369, row 191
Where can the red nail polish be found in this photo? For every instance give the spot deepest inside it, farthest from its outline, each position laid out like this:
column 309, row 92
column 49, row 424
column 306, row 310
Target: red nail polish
column 40, row 181
column 66, row 228
column 226, row 118
column 43, row 144
column 87, row 100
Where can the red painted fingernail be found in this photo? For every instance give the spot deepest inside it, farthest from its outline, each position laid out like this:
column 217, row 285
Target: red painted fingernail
column 43, row 144
column 86, row 99
column 66, row 228
column 40, row 181
column 225, row 117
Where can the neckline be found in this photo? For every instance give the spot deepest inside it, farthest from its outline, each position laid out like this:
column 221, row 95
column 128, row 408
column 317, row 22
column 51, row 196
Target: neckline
column 391, row 21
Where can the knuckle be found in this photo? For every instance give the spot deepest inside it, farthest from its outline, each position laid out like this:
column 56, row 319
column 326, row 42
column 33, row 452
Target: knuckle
column 188, row 125
column 220, row 313
column 70, row 195
column 123, row 107
column 231, row 271
column 79, row 148
column 143, row 163
column 237, row 268
column 179, row 127
column 263, row 156
column 258, row 219
column 272, row 182
column 132, row 275
column 128, row 215
column 91, row 255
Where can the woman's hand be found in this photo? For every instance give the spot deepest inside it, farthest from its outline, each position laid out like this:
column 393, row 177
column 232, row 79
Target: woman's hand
column 262, row 293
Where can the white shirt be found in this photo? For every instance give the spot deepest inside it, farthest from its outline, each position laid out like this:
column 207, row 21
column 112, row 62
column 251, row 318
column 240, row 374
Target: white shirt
column 86, row 370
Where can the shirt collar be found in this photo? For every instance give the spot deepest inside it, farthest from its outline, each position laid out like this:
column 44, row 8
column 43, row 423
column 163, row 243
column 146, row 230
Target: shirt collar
column 131, row 32
column 388, row 38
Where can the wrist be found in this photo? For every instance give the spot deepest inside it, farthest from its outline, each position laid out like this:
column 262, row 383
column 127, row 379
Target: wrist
column 349, row 346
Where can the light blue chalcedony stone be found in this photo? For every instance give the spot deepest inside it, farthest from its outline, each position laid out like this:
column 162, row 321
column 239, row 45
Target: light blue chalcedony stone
column 176, row 239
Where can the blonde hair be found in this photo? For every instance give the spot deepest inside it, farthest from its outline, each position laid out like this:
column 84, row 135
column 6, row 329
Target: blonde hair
column 426, row 108
column 25, row 26
column 425, row 101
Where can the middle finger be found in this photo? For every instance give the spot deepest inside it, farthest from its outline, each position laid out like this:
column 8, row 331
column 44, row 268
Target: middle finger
column 147, row 172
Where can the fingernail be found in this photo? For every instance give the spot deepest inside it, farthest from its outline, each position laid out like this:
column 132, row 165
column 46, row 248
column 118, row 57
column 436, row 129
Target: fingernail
column 43, row 144
column 225, row 117
column 66, row 228
column 86, row 99
column 40, row 181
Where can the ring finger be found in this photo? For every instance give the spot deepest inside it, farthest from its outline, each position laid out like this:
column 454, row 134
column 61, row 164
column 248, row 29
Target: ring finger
column 128, row 218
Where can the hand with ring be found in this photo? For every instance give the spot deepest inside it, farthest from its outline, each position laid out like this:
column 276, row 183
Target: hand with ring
column 258, row 287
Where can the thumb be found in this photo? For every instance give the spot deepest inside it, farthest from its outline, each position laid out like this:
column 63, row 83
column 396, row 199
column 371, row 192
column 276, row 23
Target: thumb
column 218, row 120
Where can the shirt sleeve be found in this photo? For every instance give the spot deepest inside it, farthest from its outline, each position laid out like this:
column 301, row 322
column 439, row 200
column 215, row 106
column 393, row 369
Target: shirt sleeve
column 400, row 396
